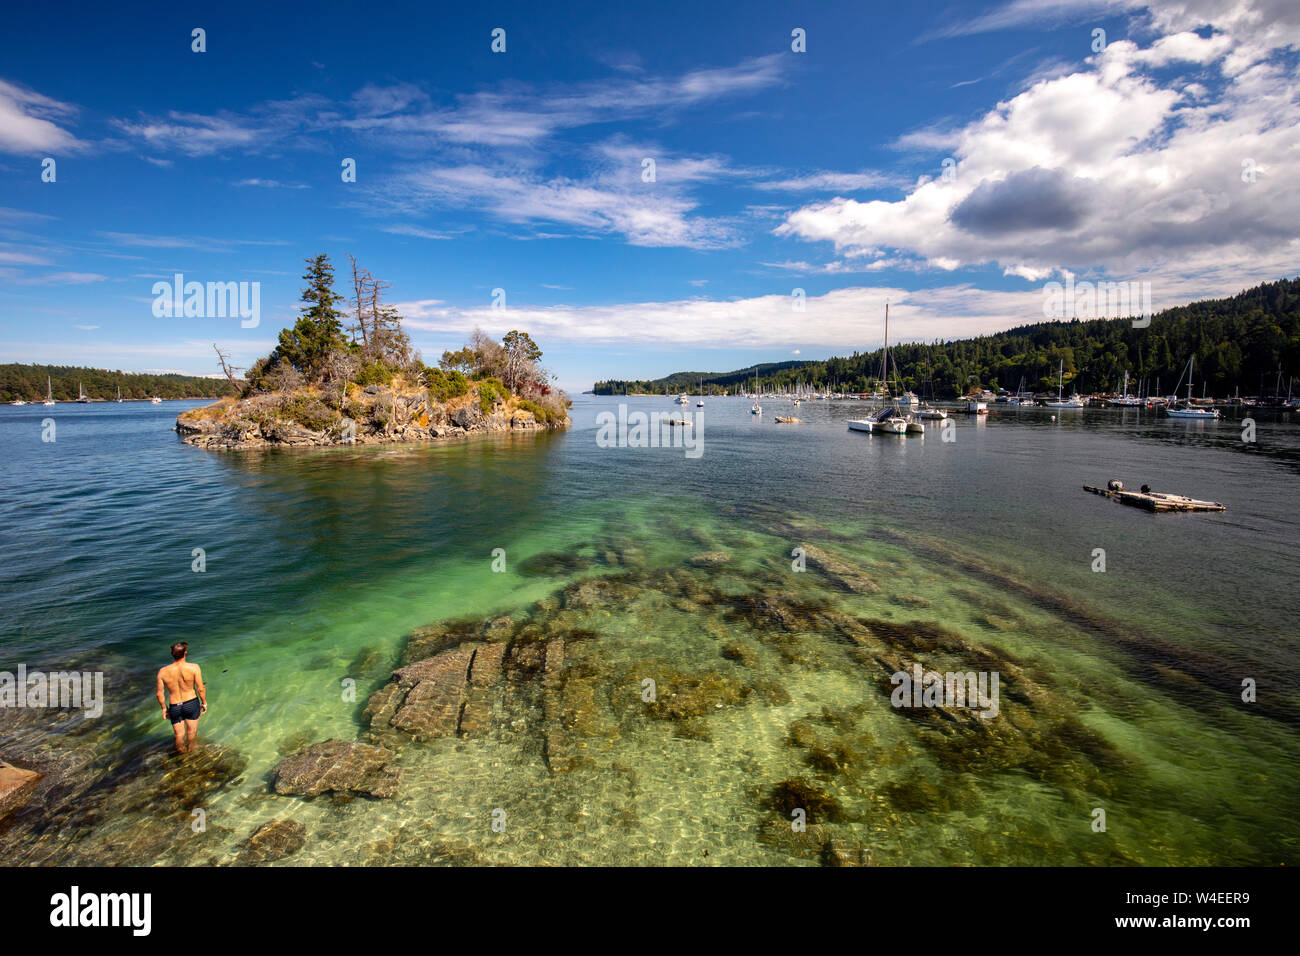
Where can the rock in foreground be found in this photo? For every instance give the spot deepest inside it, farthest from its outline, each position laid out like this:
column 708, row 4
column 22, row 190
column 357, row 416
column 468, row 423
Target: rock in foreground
column 274, row 841
column 337, row 766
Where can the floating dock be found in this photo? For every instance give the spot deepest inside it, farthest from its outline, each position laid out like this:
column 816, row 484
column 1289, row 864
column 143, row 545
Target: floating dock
column 1155, row 500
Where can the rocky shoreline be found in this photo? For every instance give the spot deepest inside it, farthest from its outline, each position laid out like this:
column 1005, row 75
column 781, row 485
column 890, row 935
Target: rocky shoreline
column 556, row 687
column 379, row 415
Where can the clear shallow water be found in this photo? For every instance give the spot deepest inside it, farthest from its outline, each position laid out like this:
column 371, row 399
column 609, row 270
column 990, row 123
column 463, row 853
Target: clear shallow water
column 321, row 562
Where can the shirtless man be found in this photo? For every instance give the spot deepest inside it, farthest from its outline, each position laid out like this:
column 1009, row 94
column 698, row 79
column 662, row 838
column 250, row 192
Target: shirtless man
column 184, row 682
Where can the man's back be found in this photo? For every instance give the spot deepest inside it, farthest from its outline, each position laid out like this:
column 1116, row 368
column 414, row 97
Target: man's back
column 179, row 679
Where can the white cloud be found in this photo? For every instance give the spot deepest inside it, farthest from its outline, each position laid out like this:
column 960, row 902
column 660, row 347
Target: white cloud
column 405, row 117
column 270, row 184
column 1105, row 167
column 830, row 182
column 29, row 122
column 645, row 214
column 11, row 258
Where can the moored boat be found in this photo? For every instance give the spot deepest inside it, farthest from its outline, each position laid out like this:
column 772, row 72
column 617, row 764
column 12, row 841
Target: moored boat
column 1074, row 401
column 1188, row 410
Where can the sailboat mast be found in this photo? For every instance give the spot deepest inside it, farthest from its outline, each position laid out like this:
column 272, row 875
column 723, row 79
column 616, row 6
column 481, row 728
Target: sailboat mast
column 884, row 358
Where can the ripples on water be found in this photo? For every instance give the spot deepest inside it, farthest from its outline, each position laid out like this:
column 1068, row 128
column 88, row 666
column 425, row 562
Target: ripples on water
column 321, row 562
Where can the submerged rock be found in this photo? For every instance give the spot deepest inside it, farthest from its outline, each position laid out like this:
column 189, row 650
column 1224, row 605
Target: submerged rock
column 16, row 787
column 449, row 694
column 337, row 766
column 600, row 592
column 838, row 851
column 844, row 573
column 799, row 793
column 740, row 653
column 550, row 563
column 273, row 840
column 682, row 696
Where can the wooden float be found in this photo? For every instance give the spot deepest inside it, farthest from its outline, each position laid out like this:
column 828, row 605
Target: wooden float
column 788, row 420
column 1154, row 500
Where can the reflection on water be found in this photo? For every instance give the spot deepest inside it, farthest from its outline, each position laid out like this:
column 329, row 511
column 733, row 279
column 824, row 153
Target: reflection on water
column 1119, row 691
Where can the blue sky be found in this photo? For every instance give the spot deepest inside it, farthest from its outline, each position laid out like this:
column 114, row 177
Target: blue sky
column 775, row 170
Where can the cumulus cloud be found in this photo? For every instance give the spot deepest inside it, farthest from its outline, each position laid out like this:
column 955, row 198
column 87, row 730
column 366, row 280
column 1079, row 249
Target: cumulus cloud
column 1116, row 166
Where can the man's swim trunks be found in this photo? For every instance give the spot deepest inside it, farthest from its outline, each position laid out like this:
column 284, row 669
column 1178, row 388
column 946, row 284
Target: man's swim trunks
column 186, row 711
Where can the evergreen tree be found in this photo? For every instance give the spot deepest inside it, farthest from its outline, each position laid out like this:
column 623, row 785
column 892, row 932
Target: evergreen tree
column 319, row 330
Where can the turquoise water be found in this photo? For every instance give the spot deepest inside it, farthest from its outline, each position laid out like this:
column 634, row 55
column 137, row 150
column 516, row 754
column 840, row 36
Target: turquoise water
column 1120, row 690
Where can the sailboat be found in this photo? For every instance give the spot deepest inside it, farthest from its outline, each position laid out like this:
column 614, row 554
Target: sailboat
column 757, row 409
column 925, row 411
column 1074, row 401
column 82, row 397
column 119, row 395
column 19, row 401
column 700, row 403
column 1187, row 411
column 889, row 419
column 1125, row 400
column 49, row 392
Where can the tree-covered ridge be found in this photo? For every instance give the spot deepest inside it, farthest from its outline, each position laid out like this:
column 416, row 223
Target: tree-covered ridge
column 28, row 382
column 1240, row 343
column 707, row 383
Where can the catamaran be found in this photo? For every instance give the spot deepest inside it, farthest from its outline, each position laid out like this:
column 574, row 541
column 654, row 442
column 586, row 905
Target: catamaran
column 1187, row 411
column 1074, row 401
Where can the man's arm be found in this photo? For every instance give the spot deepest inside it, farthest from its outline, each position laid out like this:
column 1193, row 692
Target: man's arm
column 203, row 691
column 162, row 694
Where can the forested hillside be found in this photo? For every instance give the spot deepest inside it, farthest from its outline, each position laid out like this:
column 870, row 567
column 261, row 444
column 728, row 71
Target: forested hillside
column 1240, row 343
